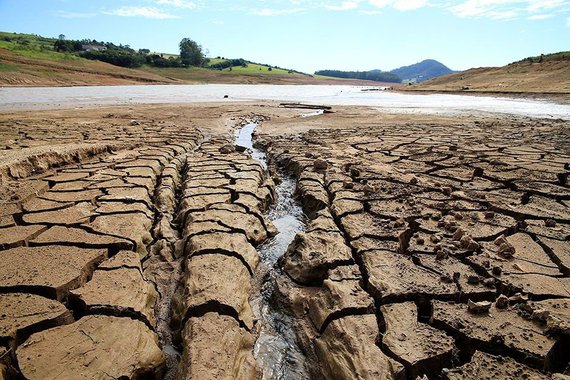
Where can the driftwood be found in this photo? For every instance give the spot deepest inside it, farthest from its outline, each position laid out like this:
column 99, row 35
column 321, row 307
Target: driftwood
column 305, row 106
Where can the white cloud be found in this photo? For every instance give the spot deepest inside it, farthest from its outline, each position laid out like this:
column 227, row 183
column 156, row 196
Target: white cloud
column 344, row 6
column 408, row 5
column 371, row 13
column 146, row 12
column 401, row 5
column 540, row 17
column 276, row 12
column 179, row 3
column 66, row 14
column 568, row 22
column 507, row 9
column 538, row 5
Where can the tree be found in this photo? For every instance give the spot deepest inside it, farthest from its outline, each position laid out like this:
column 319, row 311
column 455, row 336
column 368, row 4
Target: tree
column 191, row 54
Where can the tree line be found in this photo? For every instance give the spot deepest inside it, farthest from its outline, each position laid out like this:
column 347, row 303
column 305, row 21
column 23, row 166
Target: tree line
column 191, row 54
column 374, row 75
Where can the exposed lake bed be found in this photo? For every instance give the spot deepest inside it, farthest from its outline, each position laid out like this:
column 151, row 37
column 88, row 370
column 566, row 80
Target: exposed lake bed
column 239, row 238
column 386, row 101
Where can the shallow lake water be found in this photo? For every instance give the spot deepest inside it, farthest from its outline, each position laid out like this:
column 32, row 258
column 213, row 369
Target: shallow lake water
column 23, row 98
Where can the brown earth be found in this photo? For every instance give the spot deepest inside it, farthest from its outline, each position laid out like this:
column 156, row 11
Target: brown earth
column 25, row 71
column 435, row 247
column 549, row 79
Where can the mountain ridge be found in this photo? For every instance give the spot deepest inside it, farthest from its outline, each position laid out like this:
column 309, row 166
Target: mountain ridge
column 417, row 72
column 422, row 71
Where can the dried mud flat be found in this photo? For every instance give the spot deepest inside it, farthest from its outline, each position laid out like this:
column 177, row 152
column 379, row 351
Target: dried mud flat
column 433, row 247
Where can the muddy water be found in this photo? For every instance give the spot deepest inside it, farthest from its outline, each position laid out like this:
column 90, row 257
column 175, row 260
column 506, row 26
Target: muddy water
column 276, row 349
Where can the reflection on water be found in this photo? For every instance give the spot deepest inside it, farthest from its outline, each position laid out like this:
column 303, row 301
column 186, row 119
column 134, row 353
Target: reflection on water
column 276, row 349
column 244, row 137
column 69, row 97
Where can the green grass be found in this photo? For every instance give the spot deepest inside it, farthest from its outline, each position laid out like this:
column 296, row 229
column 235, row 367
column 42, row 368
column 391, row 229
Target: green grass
column 252, row 69
column 214, row 61
column 6, row 67
column 560, row 56
column 32, row 46
column 255, row 69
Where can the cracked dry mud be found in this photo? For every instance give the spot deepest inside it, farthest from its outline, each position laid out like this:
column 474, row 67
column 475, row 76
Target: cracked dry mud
column 429, row 251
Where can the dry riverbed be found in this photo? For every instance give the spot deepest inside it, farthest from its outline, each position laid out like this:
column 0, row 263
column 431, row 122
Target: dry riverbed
column 141, row 242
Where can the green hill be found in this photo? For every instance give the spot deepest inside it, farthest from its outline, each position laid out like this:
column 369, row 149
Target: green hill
column 422, row 71
column 373, row 75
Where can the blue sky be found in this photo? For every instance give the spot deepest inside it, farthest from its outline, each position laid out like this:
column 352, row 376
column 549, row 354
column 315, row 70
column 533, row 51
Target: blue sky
column 309, row 35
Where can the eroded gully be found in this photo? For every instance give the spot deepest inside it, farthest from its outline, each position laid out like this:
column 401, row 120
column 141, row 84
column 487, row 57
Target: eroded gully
column 276, row 350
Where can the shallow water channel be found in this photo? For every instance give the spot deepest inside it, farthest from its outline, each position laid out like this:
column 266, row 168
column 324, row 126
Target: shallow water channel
column 276, row 349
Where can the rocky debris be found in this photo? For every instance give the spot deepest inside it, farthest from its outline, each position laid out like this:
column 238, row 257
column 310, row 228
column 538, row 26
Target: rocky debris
column 505, row 249
column 550, row 223
column 469, row 283
column 227, row 149
column 216, row 347
column 313, row 253
column 554, row 314
column 488, row 367
column 481, row 307
column 320, row 164
column 419, row 346
column 23, row 314
column 420, row 213
column 93, row 347
column 347, row 350
column 531, row 270
column 359, row 225
column 502, row 302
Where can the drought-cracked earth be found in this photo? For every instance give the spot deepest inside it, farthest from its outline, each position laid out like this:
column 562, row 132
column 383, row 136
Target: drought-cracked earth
column 434, row 251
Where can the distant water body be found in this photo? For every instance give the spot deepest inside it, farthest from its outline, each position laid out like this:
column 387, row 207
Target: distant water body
column 33, row 98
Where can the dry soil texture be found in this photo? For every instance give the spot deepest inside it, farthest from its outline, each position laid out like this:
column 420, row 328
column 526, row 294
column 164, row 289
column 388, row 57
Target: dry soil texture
column 434, row 248
column 549, row 77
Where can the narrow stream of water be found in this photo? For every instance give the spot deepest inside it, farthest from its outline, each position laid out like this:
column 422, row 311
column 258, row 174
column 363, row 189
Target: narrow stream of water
column 276, row 349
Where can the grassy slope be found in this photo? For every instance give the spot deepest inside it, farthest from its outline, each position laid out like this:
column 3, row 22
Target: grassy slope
column 31, row 61
column 530, row 75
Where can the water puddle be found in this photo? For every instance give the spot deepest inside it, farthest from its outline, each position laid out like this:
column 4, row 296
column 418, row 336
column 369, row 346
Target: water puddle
column 244, row 137
column 311, row 114
column 276, row 348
